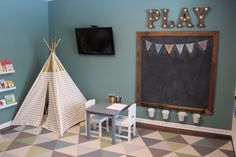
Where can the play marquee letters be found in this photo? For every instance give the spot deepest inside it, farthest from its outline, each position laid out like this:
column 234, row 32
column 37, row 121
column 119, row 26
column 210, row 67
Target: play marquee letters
column 183, row 19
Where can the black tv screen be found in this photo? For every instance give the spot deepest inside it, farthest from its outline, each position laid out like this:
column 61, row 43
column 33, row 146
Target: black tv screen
column 95, row 40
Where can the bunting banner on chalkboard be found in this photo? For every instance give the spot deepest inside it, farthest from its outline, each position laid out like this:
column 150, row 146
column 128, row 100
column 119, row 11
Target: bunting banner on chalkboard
column 190, row 47
column 158, row 47
column 169, row 47
column 203, row 44
column 148, row 45
column 180, row 48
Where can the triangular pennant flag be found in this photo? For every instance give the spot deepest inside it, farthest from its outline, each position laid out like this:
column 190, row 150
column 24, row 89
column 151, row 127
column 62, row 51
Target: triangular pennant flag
column 148, row 45
column 158, row 47
column 203, row 44
column 180, row 48
column 169, row 47
column 190, row 47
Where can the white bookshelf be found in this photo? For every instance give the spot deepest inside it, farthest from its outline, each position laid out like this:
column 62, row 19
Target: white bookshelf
column 7, row 72
column 7, row 89
column 6, row 106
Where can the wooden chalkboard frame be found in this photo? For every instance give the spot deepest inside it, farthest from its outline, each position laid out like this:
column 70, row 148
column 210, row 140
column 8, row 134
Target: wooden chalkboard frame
column 210, row 106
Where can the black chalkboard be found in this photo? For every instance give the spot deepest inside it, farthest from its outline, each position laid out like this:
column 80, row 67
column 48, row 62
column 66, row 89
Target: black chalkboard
column 176, row 70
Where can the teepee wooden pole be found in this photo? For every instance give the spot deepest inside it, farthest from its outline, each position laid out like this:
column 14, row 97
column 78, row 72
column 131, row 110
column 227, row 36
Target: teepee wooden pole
column 54, row 44
column 57, row 43
column 51, row 42
column 47, row 44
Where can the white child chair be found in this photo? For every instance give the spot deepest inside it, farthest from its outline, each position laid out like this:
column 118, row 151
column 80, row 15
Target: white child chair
column 96, row 120
column 127, row 122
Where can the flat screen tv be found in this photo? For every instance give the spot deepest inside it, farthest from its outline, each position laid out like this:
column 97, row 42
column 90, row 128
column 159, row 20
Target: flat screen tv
column 95, row 40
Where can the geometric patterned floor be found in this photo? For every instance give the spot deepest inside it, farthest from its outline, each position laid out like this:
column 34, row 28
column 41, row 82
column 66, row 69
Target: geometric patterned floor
column 27, row 141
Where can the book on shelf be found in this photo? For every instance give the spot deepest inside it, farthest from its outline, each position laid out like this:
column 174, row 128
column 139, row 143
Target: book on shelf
column 3, row 84
column 10, row 83
column 2, row 102
column 10, row 99
column 6, row 84
column 6, row 65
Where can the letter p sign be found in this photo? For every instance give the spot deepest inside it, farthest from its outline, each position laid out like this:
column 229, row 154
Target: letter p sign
column 153, row 15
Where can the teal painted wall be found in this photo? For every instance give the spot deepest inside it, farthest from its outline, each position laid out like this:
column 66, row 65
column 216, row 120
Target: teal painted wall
column 98, row 75
column 23, row 24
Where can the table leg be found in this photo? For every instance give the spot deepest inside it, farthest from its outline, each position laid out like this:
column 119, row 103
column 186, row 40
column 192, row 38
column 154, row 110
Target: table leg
column 88, row 124
column 113, row 130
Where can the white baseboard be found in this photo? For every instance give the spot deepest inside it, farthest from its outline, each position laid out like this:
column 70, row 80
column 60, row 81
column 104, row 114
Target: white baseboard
column 185, row 126
column 166, row 124
column 4, row 125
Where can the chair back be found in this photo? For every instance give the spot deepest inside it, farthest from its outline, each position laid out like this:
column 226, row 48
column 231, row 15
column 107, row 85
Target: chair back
column 132, row 113
column 90, row 103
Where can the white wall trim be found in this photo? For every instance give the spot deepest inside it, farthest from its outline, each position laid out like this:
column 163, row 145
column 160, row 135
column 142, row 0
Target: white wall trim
column 4, row 125
column 166, row 124
column 185, row 126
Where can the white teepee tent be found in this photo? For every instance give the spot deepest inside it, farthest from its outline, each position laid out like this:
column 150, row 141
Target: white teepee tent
column 66, row 104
